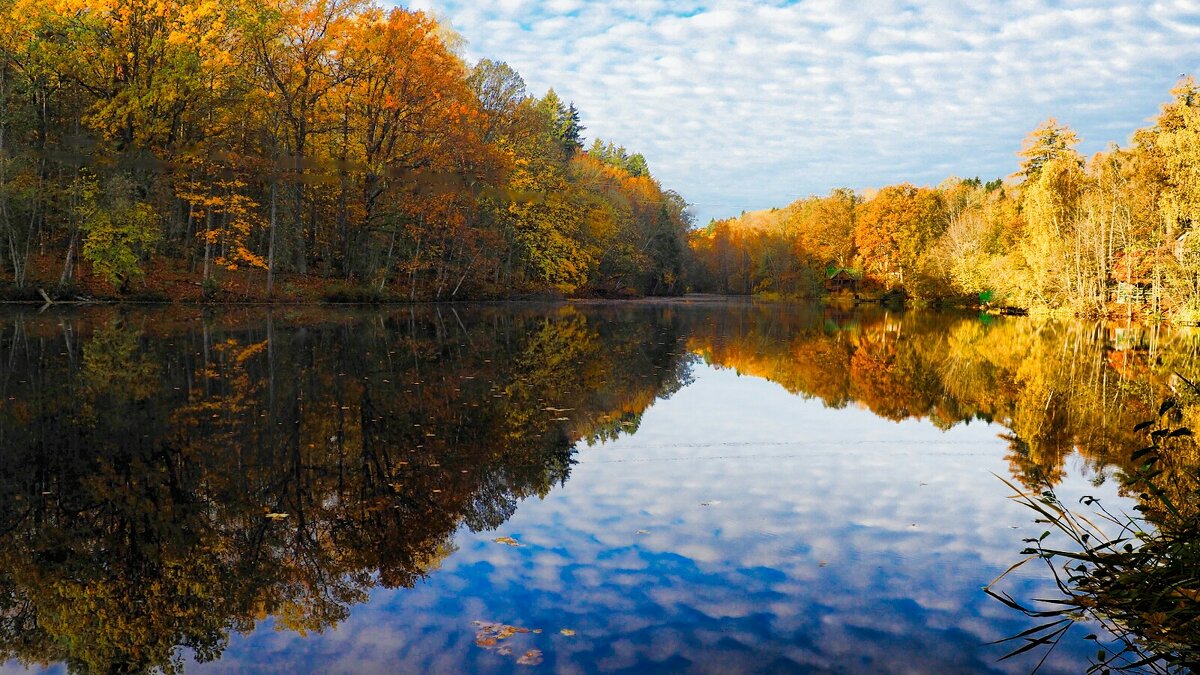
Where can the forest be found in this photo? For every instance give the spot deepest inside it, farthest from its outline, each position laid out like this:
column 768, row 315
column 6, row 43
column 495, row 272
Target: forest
column 302, row 150
column 1109, row 235
column 335, row 150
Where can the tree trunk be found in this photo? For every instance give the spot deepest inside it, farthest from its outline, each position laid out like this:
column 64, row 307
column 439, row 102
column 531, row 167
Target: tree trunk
column 208, row 219
column 412, row 272
column 69, row 264
column 271, row 240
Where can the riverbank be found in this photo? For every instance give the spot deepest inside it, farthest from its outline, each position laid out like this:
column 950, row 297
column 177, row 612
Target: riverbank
column 170, row 283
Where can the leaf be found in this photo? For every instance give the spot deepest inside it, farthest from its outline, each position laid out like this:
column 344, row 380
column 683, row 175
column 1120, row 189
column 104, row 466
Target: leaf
column 507, row 541
column 532, row 657
column 568, row 632
column 1138, row 454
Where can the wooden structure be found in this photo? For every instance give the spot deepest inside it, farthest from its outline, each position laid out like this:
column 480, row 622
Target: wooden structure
column 840, row 279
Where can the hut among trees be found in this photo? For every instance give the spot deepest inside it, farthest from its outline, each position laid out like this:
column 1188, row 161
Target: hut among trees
column 841, row 279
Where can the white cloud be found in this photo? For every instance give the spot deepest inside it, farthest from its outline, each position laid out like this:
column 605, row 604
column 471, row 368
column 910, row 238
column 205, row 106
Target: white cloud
column 741, row 104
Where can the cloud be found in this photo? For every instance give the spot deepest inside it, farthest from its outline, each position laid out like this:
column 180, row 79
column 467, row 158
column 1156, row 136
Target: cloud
column 818, row 550
column 743, row 105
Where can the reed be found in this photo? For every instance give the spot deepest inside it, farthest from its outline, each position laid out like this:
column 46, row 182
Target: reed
column 1136, row 575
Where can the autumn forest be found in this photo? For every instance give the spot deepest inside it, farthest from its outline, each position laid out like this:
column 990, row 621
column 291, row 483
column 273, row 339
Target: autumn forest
column 336, row 150
column 1109, row 235
column 253, row 149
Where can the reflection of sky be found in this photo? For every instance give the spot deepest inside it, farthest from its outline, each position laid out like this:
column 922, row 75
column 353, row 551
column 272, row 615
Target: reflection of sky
column 779, row 536
column 832, row 540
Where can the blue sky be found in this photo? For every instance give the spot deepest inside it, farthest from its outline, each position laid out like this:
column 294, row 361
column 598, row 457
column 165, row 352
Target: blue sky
column 744, row 105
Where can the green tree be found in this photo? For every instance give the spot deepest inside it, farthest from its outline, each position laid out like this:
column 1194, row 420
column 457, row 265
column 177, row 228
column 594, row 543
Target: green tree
column 118, row 232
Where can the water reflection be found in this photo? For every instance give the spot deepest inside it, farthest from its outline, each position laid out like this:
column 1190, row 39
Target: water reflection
column 166, row 481
column 174, row 480
column 1058, row 388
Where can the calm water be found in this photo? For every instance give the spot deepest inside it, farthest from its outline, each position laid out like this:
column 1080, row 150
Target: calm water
column 710, row 488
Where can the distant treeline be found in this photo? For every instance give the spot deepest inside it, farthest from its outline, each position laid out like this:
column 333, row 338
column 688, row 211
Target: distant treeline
column 252, row 147
column 1110, row 234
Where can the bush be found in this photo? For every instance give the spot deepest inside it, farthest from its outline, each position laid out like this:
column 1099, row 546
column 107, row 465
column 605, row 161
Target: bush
column 209, row 288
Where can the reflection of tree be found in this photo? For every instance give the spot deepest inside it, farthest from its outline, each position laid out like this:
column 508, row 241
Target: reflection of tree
column 1026, row 469
column 141, row 455
column 1055, row 387
column 161, row 488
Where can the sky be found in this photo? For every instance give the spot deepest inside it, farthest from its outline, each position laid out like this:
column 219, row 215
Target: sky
column 742, row 105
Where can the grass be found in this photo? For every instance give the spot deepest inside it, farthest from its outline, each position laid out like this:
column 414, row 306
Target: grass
column 1137, row 576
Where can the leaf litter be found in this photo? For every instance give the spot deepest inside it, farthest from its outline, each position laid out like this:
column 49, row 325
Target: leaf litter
column 489, row 635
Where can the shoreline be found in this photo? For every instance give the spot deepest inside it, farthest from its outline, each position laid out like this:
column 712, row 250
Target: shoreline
column 834, row 302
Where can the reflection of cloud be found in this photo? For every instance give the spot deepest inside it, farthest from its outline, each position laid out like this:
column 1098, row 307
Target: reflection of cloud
column 14, row 669
column 821, row 549
column 743, row 104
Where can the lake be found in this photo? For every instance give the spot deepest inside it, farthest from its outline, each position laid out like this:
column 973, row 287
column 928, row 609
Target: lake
column 645, row 487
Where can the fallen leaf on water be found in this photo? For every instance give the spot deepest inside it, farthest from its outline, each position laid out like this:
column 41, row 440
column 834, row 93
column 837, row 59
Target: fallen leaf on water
column 488, row 634
column 508, row 541
column 276, row 516
column 504, row 651
column 567, row 631
column 642, row 532
column 531, row 658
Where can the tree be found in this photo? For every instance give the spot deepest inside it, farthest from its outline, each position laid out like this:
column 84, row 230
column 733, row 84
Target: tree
column 298, row 49
column 118, row 231
column 500, row 90
column 894, row 230
column 1050, row 202
column 1177, row 135
column 1050, row 141
column 564, row 123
